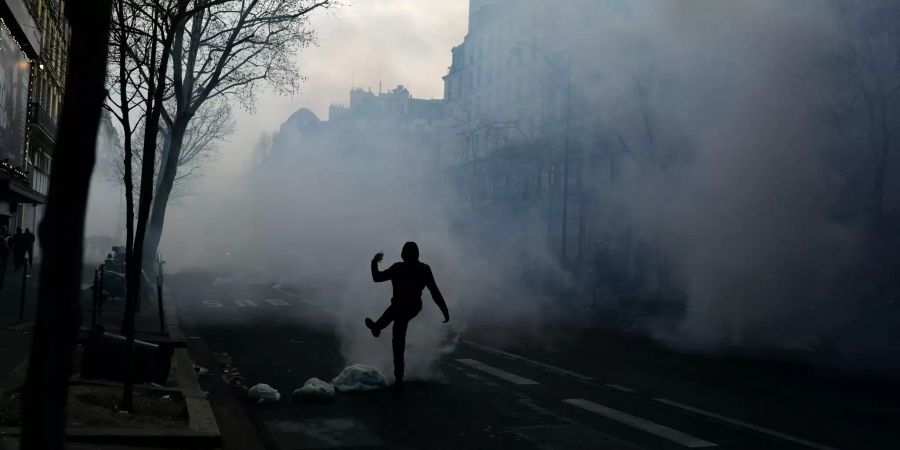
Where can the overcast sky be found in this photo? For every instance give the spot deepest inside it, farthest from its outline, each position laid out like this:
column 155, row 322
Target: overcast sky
column 395, row 41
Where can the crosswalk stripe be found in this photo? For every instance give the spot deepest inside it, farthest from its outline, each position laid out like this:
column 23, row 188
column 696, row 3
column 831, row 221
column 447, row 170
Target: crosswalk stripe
column 619, row 387
column 277, row 302
column 642, row 424
column 746, row 425
column 520, row 358
column 511, row 377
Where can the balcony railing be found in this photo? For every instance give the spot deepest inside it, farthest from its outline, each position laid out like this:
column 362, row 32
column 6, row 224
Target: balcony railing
column 38, row 115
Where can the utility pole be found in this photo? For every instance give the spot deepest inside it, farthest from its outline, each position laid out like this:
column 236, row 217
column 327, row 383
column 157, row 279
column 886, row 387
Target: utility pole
column 567, row 71
column 565, row 205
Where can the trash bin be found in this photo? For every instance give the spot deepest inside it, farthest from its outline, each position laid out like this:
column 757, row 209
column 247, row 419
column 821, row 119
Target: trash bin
column 104, row 357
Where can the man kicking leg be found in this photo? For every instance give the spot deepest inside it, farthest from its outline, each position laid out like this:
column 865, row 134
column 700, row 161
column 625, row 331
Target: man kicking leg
column 408, row 278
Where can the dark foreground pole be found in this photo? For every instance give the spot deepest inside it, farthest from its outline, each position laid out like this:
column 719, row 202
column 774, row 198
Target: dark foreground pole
column 62, row 229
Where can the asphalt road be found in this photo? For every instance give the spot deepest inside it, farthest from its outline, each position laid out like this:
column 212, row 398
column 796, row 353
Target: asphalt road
column 579, row 389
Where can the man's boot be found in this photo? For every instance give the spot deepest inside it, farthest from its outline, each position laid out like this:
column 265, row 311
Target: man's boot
column 373, row 327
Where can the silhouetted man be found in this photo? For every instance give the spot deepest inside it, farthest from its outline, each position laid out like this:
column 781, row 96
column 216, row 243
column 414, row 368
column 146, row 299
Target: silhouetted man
column 17, row 242
column 29, row 246
column 408, row 278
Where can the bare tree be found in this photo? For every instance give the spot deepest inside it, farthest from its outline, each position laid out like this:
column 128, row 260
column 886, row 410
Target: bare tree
column 130, row 49
column 211, row 125
column 472, row 127
column 146, row 30
column 868, row 88
column 223, row 53
column 62, row 231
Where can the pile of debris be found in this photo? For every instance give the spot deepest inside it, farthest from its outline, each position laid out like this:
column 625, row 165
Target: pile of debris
column 355, row 378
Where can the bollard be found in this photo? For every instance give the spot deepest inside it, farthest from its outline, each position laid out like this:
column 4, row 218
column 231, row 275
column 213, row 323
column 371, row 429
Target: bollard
column 22, row 293
column 94, row 298
column 100, row 291
column 159, row 294
column 159, row 305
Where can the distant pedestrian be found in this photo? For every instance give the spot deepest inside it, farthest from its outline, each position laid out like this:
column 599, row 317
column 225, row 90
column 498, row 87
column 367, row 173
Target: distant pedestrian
column 408, row 278
column 17, row 244
column 29, row 246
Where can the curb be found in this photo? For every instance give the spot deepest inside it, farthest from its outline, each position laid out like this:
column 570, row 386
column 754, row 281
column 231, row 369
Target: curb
column 170, row 313
column 201, row 419
column 169, row 438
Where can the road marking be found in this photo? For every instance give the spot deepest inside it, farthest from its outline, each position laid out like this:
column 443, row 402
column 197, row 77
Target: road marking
column 548, row 367
column 642, row 424
column 619, row 387
column 245, row 303
column 277, row 302
column 746, row 425
column 511, row 377
column 277, row 288
column 212, row 304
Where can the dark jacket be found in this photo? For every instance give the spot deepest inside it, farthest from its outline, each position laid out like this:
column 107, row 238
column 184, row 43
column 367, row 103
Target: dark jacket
column 409, row 279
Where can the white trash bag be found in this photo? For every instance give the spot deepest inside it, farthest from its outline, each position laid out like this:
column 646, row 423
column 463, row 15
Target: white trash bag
column 314, row 390
column 262, row 393
column 359, row 377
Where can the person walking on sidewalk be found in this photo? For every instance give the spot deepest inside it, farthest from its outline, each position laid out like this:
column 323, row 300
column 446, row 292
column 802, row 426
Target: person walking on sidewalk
column 408, row 279
column 29, row 246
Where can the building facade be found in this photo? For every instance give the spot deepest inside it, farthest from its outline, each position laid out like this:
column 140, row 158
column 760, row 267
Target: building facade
column 394, row 117
column 34, row 40
column 532, row 148
column 22, row 47
column 48, row 75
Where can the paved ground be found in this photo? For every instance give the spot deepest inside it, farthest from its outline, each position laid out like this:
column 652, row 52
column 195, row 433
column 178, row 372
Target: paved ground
column 11, row 305
column 570, row 389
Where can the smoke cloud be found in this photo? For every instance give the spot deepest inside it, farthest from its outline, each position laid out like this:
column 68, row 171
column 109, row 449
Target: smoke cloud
column 711, row 114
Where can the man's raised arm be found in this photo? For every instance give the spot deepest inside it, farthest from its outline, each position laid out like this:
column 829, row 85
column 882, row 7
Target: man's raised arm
column 377, row 275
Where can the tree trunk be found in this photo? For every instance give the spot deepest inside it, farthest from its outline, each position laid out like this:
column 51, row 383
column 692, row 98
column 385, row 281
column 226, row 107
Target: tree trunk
column 165, row 183
column 62, row 230
column 156, row 91
column 128, row 144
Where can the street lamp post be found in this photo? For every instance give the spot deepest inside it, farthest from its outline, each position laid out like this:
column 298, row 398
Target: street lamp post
column 565, row 206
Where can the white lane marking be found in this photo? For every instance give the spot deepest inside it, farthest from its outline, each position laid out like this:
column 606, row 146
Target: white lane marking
column 545, row 366
column 642, row 424
column 245, row 303
column 511, row 377
column 619, row 387
column 746, row 425
column 283, row 291
column 212, row 304
column 277, row 302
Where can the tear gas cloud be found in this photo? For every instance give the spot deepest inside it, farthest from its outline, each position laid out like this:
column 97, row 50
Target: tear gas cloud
column 732, row 184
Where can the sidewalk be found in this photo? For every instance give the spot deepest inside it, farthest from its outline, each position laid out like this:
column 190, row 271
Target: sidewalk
column 11, row 295
column 200, row 430
column 15, row 335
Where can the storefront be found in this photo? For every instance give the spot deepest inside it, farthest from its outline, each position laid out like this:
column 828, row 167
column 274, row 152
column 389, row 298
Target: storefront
column 19, row 46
